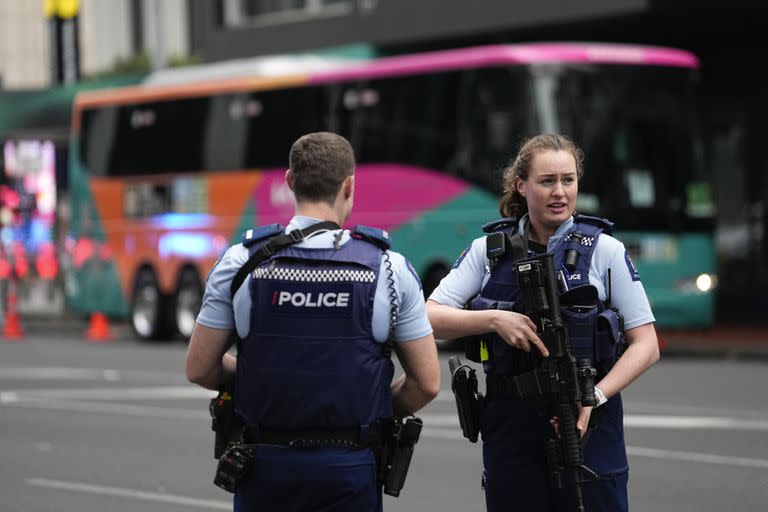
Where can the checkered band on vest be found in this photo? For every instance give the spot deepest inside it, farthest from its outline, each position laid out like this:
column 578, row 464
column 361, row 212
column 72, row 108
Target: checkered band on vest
column 585, row 240
column 314, row 276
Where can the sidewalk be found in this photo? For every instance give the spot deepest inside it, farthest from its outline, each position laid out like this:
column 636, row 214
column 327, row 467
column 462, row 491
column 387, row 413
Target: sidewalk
column 722, row 341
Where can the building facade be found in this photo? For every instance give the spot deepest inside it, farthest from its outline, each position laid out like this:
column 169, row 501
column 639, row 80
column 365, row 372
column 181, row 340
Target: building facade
column 108, row 31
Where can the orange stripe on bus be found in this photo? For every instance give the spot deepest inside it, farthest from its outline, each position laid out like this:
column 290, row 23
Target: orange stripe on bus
column 140, row 94
column 228, row 196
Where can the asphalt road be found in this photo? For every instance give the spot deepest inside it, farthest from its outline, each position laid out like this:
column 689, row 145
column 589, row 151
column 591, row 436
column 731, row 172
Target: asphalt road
column 115, row 426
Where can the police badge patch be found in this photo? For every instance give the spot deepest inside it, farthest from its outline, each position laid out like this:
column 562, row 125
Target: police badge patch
column 412, row 271
column 461, row 256
column 631, row 266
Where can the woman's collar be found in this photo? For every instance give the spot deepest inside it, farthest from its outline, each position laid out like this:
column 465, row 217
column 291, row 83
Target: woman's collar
column 522, row 227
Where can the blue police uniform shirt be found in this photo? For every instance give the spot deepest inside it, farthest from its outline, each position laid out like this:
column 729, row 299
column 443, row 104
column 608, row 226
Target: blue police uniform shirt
column 471, row 272
column 217, row 309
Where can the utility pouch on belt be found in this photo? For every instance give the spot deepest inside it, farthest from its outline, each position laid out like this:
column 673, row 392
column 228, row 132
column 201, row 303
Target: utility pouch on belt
column 397, row 454
column 227, row 426
column 468, row 400
column 234, row 465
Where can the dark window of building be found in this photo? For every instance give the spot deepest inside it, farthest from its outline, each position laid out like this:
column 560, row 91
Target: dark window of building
column 235, row 13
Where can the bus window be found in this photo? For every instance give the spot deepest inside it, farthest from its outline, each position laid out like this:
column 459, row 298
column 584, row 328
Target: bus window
column 145, row 138
column 226, row 137
column 409, row 120
column 499, row 117
column 285, row 115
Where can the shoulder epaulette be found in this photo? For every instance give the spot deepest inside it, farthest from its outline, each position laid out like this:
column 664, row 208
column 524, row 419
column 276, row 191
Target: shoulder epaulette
column 253, row 235
column 496, row 225
column 607, row 226
column 376, row 236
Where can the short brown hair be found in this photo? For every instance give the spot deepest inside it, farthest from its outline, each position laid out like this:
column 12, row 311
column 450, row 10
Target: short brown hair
column 319, row 163
column 512, row 204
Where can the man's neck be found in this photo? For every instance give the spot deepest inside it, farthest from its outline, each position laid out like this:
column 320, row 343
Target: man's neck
column 320, row 211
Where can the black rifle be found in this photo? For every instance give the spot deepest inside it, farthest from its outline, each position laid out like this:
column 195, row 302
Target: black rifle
column 568, row 382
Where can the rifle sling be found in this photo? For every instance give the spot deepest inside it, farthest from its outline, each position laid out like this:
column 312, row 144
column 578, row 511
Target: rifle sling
column 272, row 246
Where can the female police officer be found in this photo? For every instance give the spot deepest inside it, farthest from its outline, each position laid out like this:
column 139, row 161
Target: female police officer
column 543, row 180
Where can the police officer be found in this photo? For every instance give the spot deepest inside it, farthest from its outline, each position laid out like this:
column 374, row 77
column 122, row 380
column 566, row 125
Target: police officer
column 543, row 181
column 315, row 323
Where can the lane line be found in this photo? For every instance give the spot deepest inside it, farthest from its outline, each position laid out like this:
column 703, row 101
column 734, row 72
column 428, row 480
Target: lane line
column 127, row 493
column 693, row 422
column 143, row 411
column 706, row 458
column 634, row 451
column 135, row 393
column 449, row 420
column 59, row 373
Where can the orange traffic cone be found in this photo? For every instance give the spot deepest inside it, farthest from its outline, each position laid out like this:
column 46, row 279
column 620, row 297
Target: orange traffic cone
column 12, row 329
column 99, row 328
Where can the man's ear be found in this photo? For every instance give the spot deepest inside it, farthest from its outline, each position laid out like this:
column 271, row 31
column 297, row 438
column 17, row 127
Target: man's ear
column 348, row 186
column 289, row 179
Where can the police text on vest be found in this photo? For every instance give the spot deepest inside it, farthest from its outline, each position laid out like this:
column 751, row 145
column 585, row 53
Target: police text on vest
column 312, row 300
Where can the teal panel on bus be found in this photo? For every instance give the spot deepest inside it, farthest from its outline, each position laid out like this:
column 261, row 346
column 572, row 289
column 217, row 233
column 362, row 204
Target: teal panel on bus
column 669, row 264
column 436, row 237
column 247, row 221
column 92, row 278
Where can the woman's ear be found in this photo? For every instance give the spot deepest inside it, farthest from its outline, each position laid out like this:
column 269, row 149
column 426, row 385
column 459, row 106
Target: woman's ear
column 520, row 186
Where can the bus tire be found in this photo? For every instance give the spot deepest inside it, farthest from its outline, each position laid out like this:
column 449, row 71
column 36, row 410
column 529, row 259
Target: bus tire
column 149, row 308
column 187, row 301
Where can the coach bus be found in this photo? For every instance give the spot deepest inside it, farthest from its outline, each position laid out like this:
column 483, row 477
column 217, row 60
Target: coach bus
column 165, row 177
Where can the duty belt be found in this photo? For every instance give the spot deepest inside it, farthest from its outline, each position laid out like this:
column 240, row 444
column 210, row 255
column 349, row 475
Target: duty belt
column 352, row 438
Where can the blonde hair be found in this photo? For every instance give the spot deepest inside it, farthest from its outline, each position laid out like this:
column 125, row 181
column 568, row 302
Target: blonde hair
column 512, row 204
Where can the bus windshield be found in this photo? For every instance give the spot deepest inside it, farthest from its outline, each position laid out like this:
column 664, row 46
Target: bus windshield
column 636, row 126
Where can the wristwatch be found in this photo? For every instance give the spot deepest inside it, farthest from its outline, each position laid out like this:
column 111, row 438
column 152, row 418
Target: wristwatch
column 600, row 397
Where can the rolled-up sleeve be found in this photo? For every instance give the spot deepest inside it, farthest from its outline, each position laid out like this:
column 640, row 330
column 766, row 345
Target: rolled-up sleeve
column 216, row 309
column 627, row 292
column 465, row 278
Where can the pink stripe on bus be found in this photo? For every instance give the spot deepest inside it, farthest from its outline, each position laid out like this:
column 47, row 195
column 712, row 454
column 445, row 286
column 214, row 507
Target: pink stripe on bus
column 386, row 195
column 495, row 55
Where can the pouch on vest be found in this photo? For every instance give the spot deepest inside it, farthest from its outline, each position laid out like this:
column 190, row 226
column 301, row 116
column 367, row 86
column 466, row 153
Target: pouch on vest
column 609, row 340
column 579, row 307
column 472, row 344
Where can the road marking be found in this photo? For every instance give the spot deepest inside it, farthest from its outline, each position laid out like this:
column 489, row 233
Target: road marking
column 59, row 373
column 635, row 451
column 642, row 421
column 91, row 400
column 692, row 422
column 142, row 411
column 137, row 393
column 128, row 493
column 706, row 458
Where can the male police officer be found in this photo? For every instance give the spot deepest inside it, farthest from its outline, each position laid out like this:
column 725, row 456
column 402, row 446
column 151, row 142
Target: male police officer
column 315, row 322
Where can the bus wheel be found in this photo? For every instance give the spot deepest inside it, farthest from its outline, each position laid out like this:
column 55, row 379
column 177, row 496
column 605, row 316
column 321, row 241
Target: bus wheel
column 189, row 297
column 148, row 308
